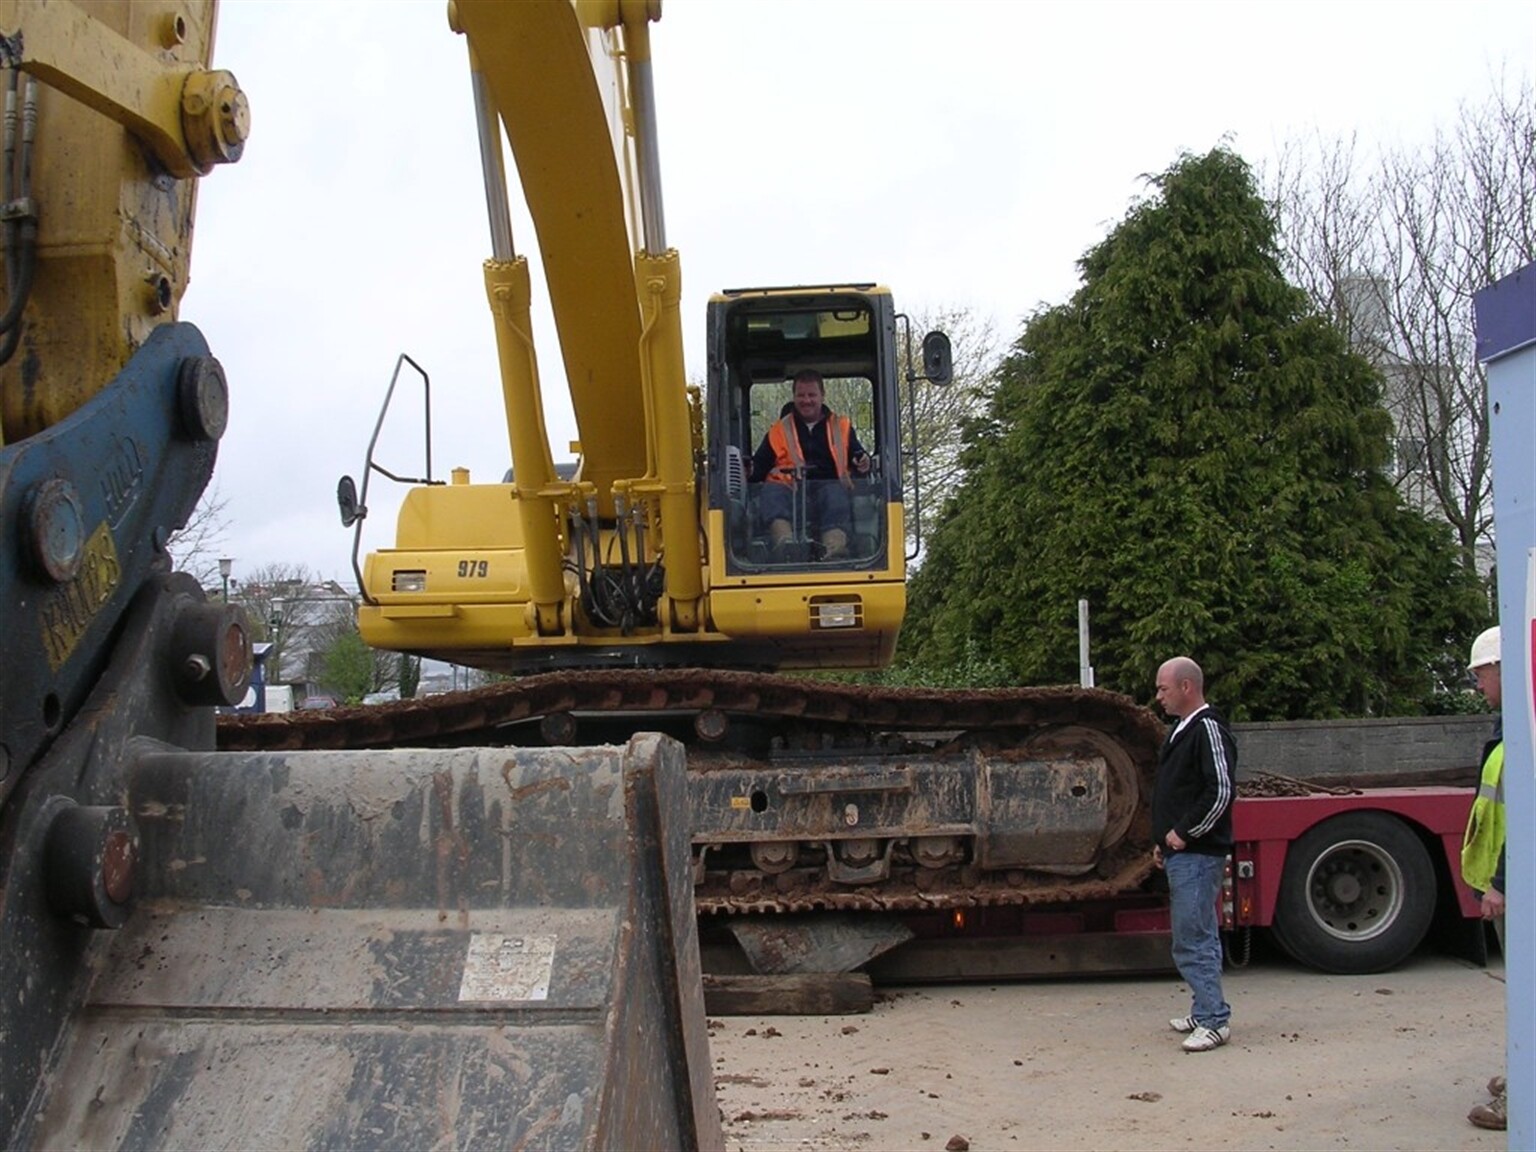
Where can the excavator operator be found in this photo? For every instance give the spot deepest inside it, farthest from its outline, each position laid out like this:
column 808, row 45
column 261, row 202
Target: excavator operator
column 811, row 453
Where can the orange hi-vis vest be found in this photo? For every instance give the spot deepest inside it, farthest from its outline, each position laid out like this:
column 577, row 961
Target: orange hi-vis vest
column 789, row 459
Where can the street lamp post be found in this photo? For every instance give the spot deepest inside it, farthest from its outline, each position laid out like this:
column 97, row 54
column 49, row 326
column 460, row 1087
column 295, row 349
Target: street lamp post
column 277, row 639
column 225, row 564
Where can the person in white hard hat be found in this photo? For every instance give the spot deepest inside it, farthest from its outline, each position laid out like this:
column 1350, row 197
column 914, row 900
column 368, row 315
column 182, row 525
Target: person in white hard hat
column 1482, row 848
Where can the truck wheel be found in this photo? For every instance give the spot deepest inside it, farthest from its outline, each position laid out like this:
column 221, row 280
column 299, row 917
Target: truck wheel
column 1357, row 894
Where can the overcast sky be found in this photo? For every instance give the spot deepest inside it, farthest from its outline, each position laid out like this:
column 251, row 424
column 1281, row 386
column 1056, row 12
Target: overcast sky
column 964, row 153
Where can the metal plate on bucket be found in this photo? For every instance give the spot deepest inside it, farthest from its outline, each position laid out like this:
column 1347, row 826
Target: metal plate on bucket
column 502, row 968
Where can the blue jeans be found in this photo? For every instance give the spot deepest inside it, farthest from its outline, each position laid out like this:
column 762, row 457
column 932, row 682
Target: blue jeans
column 827, row 506
column 1194, row 885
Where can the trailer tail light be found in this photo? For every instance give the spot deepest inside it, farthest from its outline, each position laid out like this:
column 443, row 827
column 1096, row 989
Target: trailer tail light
column 1237, row 893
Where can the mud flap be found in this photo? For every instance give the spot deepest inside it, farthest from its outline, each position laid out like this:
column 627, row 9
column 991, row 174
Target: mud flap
column 397, row 950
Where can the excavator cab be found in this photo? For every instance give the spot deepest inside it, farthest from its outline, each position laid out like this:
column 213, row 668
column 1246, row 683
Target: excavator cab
column 760, row 341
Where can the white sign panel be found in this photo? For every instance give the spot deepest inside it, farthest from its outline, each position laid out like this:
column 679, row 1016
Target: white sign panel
column 500, row 968
column 1530, row 641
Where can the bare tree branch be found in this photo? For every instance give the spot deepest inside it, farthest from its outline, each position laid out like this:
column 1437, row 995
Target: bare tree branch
column 195, row 547
column 1394, row 255
column 941, row 412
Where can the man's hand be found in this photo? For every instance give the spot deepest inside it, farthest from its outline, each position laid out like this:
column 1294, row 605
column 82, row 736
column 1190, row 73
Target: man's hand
column 1493, row 904
column 861, row 463
column 1157, row 856
column 1174, row 840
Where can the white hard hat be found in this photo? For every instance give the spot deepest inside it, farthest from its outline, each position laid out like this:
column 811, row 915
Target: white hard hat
column 1485, row 649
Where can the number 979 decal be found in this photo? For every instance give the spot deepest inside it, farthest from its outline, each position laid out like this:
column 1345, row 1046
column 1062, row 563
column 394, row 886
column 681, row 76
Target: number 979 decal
column 474, row 569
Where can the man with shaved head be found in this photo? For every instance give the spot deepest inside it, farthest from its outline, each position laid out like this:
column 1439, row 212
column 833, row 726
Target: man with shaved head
column 1191, row 837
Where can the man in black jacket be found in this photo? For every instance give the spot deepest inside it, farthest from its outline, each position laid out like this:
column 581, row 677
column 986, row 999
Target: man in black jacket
column 1192, row 836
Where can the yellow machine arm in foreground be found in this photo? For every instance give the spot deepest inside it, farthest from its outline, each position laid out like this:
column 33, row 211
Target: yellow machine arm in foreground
column 210, row 950
column 127, row 98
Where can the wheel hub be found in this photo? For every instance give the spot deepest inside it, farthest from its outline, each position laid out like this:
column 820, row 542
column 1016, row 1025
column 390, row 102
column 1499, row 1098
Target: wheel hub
column 1344, row 888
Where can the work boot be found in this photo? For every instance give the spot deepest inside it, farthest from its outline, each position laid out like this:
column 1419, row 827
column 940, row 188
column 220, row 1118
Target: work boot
column 1493, row 1115
column 834, row 543
column 786, row 549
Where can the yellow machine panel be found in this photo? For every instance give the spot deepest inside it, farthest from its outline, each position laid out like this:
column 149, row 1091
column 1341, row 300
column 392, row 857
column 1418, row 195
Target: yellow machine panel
column 99, row 222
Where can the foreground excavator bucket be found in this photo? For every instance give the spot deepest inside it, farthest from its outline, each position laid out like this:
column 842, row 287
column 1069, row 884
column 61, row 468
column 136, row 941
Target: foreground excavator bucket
column 466, row 948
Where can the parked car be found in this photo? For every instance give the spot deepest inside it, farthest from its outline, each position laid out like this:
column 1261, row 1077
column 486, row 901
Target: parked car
column 316, row 702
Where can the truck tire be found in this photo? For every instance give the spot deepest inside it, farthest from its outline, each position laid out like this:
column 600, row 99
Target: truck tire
column 1357, row 894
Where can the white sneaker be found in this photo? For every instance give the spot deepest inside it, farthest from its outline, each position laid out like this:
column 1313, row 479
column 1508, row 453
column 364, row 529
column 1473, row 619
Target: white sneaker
column 1183, row 1024
column 1203, row 1039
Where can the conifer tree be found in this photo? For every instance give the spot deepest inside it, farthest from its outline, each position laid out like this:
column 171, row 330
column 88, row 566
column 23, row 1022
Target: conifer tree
column 1189, row 446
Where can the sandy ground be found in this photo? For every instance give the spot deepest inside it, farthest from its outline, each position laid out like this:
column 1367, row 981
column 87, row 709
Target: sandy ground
column 1357, row 1062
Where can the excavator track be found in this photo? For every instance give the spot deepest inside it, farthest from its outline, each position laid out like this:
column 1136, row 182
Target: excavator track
column 820, row 753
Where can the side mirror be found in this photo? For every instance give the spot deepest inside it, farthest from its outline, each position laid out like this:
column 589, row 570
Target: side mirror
column 938, row 360
column 346, row 501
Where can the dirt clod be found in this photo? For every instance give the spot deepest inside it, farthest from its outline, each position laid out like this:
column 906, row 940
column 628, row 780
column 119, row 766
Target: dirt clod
column 957, row 1144
column 765, row 1114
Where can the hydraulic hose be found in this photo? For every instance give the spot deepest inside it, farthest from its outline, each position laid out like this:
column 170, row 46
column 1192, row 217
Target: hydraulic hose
column 20, row 242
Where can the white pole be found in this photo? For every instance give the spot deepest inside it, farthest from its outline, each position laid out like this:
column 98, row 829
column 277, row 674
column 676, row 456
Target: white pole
column 1084, row 668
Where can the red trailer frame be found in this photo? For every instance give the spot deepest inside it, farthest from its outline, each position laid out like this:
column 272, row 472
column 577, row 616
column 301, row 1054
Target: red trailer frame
column 1345, row 882
column 1349, row 882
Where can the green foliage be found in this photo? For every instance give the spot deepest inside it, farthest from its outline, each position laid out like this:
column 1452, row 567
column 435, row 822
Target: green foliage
column 1460, row 702
column 349, row 666
column 974, row 667
column 1193, row 450
column 410, row 676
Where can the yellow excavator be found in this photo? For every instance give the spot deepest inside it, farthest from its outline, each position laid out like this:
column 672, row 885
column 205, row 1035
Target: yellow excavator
column 692, row 556
column 654, row 552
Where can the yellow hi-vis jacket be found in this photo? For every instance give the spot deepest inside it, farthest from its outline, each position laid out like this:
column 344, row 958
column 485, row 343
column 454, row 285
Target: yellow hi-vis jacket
column 1484, row 840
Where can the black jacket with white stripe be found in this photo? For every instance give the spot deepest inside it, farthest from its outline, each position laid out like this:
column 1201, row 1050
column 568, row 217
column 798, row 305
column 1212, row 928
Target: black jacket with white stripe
column 1196, row 780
